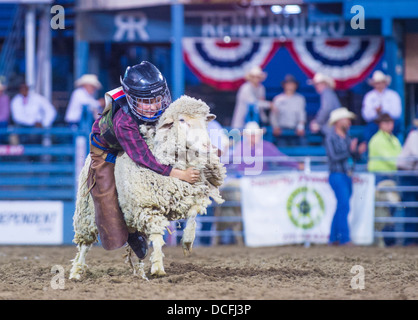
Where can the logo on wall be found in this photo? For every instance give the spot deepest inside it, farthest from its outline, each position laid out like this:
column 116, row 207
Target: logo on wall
column 305, row 207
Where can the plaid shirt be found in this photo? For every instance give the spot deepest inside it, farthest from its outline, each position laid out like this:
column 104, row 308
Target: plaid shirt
column 132, row 142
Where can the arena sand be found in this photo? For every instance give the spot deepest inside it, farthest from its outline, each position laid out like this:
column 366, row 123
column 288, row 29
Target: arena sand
column 222, row 272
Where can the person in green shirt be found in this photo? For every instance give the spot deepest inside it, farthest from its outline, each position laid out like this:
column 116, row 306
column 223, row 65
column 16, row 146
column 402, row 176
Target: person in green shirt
column 384, row 147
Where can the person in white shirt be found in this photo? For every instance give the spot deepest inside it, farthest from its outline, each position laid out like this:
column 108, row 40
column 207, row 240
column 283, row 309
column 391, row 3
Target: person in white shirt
column 252, row 92
column 30, row 109
column 84, row 95
column 378, row 101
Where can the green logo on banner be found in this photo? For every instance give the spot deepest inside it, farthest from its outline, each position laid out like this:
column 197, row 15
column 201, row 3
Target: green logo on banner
column 305, row 207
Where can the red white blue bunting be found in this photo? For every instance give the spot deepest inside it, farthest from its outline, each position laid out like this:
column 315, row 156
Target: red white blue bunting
column 348, row 61
column 223, row 64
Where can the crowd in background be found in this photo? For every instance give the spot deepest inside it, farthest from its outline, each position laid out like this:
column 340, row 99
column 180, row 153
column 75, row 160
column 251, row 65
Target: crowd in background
column 381, row 110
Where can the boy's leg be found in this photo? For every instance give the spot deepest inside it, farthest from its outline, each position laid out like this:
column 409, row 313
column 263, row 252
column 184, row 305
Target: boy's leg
column 110, row 222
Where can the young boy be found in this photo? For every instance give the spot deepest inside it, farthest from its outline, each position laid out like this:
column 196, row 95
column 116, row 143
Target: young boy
column 142, row 98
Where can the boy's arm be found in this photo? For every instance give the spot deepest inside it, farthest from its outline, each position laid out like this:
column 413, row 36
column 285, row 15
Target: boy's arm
column 127, row 133
column 132, row 142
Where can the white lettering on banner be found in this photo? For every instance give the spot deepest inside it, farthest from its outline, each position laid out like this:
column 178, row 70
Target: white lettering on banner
column 10, row 150
column 239, row 24
column 131, row 25
column 31, row 222
column 292, row 208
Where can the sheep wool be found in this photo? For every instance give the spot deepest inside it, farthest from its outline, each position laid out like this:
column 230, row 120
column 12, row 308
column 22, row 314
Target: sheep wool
column 150, row 200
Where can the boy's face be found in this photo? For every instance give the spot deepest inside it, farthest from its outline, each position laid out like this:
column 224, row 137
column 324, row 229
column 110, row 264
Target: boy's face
column 148, row 107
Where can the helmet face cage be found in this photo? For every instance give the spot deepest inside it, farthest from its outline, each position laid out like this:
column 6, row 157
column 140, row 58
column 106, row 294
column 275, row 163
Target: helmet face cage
column 149, row 108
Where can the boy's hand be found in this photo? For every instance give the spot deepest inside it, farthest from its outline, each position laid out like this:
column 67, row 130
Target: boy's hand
column 189, row 175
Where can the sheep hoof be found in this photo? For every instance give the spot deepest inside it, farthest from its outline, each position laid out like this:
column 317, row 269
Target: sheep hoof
column 139, row 271
column 158, row 273
column 76, row 273
column 187, row 248
column 77, row 270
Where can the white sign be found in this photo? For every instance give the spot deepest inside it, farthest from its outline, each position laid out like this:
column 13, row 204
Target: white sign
column 31, row 222
column 293, row 208
column 239, row 24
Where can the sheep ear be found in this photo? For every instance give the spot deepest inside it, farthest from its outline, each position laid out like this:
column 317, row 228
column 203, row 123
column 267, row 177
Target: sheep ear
column 167, row 124
column 210, row 117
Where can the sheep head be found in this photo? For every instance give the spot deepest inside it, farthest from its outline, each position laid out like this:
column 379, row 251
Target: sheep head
column 181, row 137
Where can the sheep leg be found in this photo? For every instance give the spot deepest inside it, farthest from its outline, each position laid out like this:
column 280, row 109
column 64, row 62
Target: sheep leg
column 189, row 233
column 136, row 265
column 157, row 267
column 79, row 262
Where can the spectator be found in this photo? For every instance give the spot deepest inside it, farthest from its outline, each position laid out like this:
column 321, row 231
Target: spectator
column 251, row 96
column 30, row 109
column 4, row 111
column 288, row 112
column 382, row 145
column 253, row 148
column 84, row 95
column 340, row 147
column 408, row 160
column 4, row 107
column 324, row 86
column 378, row 101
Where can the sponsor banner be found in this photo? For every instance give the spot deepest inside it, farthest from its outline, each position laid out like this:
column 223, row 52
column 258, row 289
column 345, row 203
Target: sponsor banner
column 31, row 222
column 293, row 208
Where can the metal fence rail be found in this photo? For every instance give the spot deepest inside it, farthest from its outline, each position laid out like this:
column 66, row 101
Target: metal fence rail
column 318, row 163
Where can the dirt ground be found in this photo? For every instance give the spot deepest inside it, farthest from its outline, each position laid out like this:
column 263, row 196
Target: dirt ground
column 215, row 273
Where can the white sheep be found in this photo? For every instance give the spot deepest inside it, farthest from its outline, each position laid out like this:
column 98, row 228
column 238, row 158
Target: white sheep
column 150, row 200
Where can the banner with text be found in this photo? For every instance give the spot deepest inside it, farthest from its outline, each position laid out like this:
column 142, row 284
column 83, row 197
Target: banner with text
column 293, row 208
column 31, row 222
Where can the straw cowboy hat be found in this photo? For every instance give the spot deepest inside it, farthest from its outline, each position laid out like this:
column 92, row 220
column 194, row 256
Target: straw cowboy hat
column 252, row 127
column 320, row 77
column 256, row 72
column 88, row 79
column 340, row 113
column 379, row 76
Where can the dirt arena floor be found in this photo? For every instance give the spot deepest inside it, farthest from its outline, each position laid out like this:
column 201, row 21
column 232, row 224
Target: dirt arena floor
column 223, row 272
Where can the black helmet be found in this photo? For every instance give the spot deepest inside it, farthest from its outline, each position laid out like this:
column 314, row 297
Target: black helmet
column 146, row 91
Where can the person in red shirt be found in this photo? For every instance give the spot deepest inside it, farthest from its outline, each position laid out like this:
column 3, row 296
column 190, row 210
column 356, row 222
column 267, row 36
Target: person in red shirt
column 142, row 99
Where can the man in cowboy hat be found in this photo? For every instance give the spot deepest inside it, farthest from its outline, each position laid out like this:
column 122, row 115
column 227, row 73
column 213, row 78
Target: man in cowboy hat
column 288, row 111
column 252, row 148
column 84, row 95
column 380, row 100
column 251, row 93
column 340, row 147
column 324, row 86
